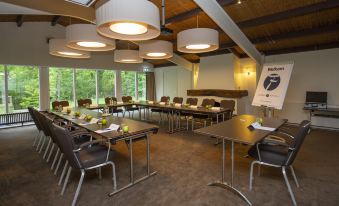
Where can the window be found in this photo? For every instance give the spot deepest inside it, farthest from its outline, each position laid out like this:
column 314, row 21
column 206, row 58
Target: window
column 106, row 84
column 2, row 90
column 142, row 86
column 85, row 84
column 128, row 84
column 23, row 87
column 61, row 84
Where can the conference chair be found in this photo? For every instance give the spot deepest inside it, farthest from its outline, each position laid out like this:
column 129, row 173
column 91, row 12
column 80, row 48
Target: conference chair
column 188, row 115
column 112, row 110
column 163, row 99
column 203, row 117
column 130, row 108
column 176, row 100
column 37, row 124
column 87, row 156
column 280, row 154
column 84, row 102
column 63, row 103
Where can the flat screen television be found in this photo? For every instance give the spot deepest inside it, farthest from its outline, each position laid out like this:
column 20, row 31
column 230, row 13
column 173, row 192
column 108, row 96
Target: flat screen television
column 316, row 97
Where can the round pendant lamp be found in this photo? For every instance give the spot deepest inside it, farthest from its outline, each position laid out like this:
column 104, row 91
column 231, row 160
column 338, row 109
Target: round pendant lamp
column 57, row 47
column 127, row 56
column 198, row 40
column 128, row 19
column 156, row 49
column 85, row 37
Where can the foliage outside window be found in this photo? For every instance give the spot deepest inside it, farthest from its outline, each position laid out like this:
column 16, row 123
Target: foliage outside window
column 2, row 90
column 142, row 86
column 61, row 84
column 128, row 84
column 106, row 84
column 85, row 84
column 23, row 87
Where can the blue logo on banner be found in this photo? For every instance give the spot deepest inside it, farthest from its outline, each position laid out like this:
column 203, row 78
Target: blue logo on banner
column 271, row 82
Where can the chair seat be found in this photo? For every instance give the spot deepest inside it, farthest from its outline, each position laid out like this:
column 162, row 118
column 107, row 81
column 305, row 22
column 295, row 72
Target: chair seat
column 94, row 155
column 270, row 154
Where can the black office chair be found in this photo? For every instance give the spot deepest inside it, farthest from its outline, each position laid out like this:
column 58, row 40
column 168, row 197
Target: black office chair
column 129, row 109
column 280, row 154
column 112, row 110
column 87, row 156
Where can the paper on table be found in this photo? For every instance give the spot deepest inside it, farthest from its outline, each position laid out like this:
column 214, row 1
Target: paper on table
column 112, row 127
column 162, row 103
column 193, row 106
column 256, row 125
column 150, row 102
column 94, row 120
column 215, row 108
column 120, row 102
column 177, row 105
column 82, row 116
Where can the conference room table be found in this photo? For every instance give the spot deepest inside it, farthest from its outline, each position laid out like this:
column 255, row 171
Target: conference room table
column 236, row 130
column 136, row 129
column 173, row 110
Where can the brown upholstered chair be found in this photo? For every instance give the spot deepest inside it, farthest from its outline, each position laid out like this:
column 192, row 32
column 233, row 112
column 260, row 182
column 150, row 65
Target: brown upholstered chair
column 164, row 99
column 203, row 118
column 228, row 104
column 113, row 110
column 84, row 102
column 130, row 108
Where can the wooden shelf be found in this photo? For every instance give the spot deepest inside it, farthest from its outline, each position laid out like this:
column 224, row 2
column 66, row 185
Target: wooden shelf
column 218, row 93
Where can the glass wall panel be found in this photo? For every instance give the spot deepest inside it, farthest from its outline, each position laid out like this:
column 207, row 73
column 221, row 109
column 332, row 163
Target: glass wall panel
column 61, row 84
column 23, row 87
column 85, row 84
column 106, row 84
column 142, row 86
column 2, row 90
column 128, row 83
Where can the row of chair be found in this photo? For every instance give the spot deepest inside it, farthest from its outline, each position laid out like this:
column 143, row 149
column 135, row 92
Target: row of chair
column 74, row 145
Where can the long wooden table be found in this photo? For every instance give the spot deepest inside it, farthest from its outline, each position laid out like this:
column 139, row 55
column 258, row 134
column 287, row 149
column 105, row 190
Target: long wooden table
column 171, row 109
column 236, row 131
column 137, row 129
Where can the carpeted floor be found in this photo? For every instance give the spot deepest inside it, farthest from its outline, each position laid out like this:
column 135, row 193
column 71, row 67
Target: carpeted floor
column 185, row 163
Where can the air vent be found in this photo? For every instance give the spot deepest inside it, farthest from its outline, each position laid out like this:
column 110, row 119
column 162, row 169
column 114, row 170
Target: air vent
column 82, row 2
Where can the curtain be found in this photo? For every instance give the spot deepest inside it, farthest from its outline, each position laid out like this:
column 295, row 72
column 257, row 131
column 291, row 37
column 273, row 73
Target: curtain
column 150, row 86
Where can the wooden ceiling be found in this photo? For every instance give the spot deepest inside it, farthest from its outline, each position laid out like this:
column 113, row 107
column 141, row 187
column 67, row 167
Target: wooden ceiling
column 274, row 27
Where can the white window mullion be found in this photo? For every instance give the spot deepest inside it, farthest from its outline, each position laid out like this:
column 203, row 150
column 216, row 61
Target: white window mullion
column 97, row 86
column 136, row 85
column 74, row 89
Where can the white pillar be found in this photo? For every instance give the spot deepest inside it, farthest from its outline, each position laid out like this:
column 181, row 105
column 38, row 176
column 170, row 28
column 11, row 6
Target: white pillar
column 118, row 88
column 6, row 89
column 44, row 88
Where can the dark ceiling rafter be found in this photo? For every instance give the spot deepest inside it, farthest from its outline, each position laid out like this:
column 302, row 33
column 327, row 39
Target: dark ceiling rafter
column 194, row 12
column 55, row 20
column 19, row 20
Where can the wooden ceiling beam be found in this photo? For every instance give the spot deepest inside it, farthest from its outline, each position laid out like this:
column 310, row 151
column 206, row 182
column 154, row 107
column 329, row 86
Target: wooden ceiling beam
column 194, row 12
column 330, row 45
column 169, row 64
column 289, row 14
column 55, row 20
column 19, row 20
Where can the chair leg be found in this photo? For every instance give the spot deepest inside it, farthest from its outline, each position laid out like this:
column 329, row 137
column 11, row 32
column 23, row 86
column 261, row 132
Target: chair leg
column 39, row 142
column 99, row 173
column 294, row 177
column 187, row 123
column 47, row 148
column 192, row 124
column 123, row 114
column 251, row 174
column 55, row 158
column 42, row 144
column 66, row 180
column 59, row 162
column 36, row 139
column 113, row 176
column 50, row 153
column 79, row 187
column 288, row 186
column 63, row 173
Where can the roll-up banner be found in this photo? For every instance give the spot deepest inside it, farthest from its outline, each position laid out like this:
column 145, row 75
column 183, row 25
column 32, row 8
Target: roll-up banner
column 273, row 84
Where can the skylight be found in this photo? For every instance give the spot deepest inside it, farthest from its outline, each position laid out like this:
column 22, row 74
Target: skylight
column 82, row 2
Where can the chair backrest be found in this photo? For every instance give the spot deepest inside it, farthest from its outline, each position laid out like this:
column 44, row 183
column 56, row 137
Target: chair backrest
column 164, row 99
column 83, row 102
column 64, row 103
column 298, row 140
column 55, row 104
column 192, row 101
column 32, row 113
column 228, row 104
column 67, row 146
column 126, row 99
column 42, row 120
column 178, row 100
column 206, row 102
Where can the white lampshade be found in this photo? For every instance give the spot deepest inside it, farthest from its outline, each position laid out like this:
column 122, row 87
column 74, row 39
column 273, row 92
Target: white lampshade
column 156, row 49
column 198, row 40
column 57, row 47
column 127, row 56
column 85, row 37
column 128, row 19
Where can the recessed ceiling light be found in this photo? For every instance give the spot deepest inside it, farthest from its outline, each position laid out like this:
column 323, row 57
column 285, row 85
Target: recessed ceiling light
column 129, row 28
column 91, row 44
column 198, row 46
column 156, row 54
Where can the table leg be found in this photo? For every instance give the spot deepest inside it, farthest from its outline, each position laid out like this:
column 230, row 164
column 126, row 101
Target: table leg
column 131, row 160
column 217, row 118
column 223, row 183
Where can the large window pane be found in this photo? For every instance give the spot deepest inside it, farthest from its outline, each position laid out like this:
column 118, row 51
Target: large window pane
column 61, row 84
column 128, row 83
column 23, row 87
column 2, row 90
column 106, row 84
column 85, row 84
column 142, row 86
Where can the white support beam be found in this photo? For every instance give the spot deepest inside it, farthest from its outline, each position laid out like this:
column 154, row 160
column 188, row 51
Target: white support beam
column 213, row 9
column 44, row 88
column 180, row 61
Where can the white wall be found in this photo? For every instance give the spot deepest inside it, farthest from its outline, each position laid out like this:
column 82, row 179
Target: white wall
column 27, row 45
column 172, row 81
column 313, row 71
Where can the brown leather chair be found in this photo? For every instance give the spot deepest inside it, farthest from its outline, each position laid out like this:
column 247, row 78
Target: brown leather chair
column 165, row 99
column 228, row 104
column 113, row 110
column 129, row 109
column 203, row 117
column 84, row 102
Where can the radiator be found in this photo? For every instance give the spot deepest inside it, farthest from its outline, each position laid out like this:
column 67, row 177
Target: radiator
column 15, row 118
